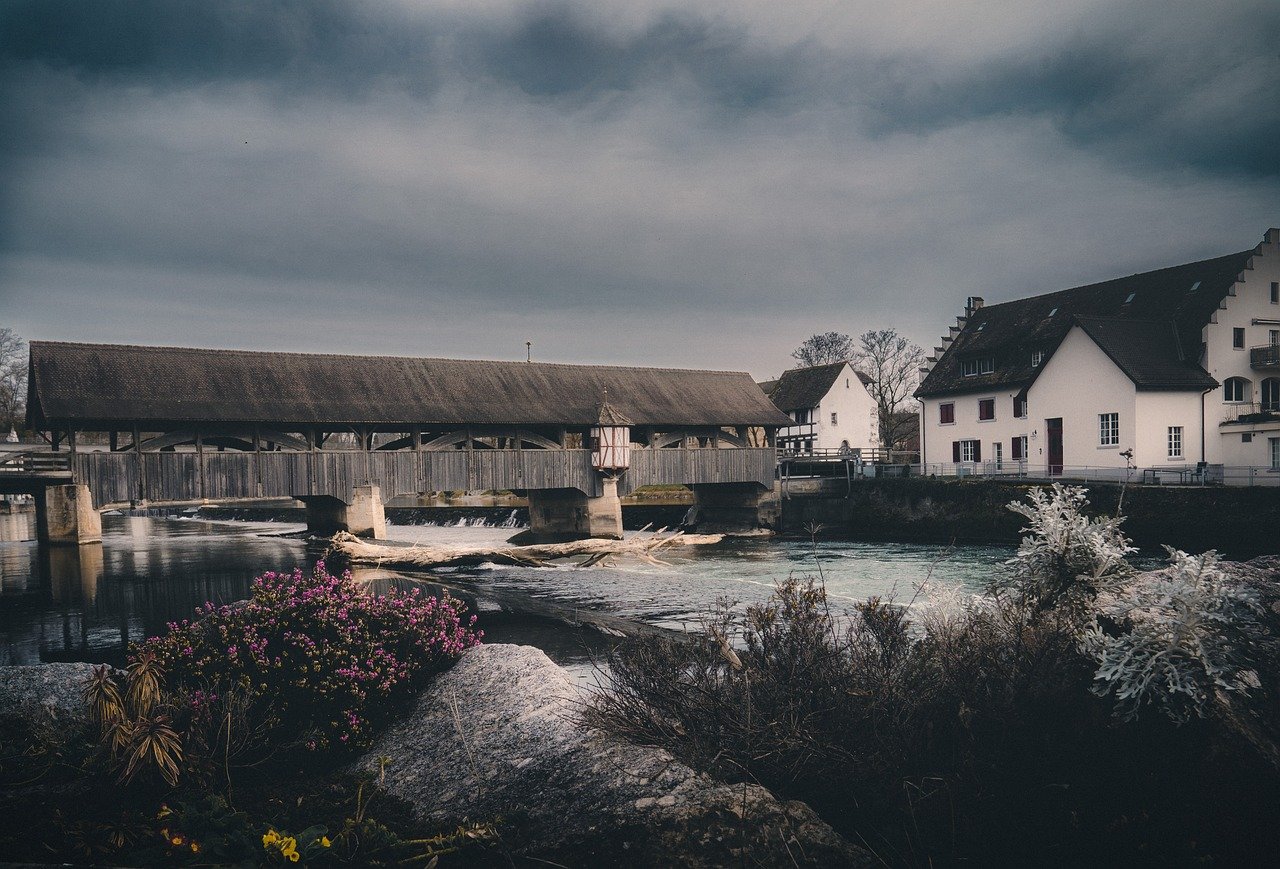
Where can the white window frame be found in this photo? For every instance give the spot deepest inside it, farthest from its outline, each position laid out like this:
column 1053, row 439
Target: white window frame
column 997, row 454
column 1109, row 429
column 967, row 451
column 1037, row 356
column 991, row 418
column 974, row 367
column 1238, row 332
column 1175, row 441
column 1245, row 391
column 1275, row 453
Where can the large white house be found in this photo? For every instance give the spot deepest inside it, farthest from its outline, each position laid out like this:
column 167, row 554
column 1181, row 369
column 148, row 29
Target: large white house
column 830, row 409
column 1175, row 371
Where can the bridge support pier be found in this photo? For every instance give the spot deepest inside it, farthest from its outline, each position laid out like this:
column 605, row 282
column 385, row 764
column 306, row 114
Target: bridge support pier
column 65, row 516
column 727, row 508
column 363, row 517
column 568, row 514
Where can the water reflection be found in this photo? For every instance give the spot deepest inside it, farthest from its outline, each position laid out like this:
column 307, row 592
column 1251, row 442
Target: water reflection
column 90, row 602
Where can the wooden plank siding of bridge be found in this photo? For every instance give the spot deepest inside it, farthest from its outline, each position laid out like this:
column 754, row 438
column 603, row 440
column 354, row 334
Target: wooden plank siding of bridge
column 122, row 477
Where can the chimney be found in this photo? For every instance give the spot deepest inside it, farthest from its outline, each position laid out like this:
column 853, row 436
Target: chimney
column 973, row 303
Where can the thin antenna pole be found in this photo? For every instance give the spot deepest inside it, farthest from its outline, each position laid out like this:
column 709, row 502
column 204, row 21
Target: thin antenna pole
column 528, row 351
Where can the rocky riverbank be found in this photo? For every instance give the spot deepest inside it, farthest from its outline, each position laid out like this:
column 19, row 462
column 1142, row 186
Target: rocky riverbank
column 498, row 738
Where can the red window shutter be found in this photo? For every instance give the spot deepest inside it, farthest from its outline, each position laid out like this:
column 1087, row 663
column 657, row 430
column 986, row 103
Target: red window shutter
column 1016, row 445
column 955, row 451
column 977, row 451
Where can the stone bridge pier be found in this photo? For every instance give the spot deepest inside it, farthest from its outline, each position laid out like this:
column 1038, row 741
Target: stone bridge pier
column 557, row 515
column 364, row 516
column 65, row 515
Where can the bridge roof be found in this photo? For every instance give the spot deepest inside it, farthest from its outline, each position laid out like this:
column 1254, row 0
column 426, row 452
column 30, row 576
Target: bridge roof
column 101, row 385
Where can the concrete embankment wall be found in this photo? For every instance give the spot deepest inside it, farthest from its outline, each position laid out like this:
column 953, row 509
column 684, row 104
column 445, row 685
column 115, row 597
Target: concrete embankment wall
column 1239, row 522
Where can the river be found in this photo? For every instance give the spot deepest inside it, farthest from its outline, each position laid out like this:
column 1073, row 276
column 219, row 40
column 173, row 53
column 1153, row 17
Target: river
column 88, row 603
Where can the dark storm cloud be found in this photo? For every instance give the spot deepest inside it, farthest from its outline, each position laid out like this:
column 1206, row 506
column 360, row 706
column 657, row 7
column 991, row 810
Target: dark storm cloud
column 1109, row 89
column 610, row 159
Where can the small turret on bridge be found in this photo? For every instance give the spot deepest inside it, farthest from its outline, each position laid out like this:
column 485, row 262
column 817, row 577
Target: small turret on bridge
column 345, row 433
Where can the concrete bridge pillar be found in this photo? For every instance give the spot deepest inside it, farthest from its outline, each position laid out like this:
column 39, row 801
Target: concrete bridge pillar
column 363, row 517
column 568, row 514
column 65, row 515
column 726, row 508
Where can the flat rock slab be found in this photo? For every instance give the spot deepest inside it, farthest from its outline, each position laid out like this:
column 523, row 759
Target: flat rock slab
column 499, row 736
column 44, row 694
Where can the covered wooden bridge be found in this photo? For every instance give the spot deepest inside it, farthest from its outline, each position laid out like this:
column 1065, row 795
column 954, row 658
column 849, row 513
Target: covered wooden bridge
column 342, row 433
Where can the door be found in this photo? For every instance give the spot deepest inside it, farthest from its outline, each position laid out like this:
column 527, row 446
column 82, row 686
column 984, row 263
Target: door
column 1053, row 431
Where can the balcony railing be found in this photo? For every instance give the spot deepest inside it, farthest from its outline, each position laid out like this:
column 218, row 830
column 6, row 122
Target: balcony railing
column 1266, row 357
column 1250, row 412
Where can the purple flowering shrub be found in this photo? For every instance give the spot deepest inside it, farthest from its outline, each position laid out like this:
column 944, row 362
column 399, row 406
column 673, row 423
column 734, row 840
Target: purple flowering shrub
column 314, row 653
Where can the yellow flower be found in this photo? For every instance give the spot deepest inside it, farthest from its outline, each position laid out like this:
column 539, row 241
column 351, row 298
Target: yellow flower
column 288, row 844
column 269, row 838
column 195, row 848
column 293, row 856
column 324, row 842
column 164, row 812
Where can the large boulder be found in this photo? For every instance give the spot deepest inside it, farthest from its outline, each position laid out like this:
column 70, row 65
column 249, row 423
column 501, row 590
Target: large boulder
column 499, row 736
column 40, row 696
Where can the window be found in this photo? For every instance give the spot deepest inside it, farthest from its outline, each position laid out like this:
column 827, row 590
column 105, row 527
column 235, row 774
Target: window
column 1246, row 438
column 1020, row 407
column 987, row 409
column 1109, row 429
column 997, row 453
column 1129, row 298
column 1275, row 292
column 1175, row 441
column 966, row 451
column 974, row 367
column 946, row 413
column 1018, row 448
column 1275, row 453
column 1237, row 337
column 1054, row 311
column 1271, row 394
column 833, row 418
column 1037, row 356
column 1236, row 389
column 1273, row 337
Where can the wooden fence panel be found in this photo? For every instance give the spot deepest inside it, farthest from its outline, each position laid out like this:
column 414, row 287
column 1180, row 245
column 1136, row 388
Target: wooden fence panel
column 284, row 475
column 230, row 475
column 394, row 472
column 112, row 478
column 444, row 471
column 171, row 476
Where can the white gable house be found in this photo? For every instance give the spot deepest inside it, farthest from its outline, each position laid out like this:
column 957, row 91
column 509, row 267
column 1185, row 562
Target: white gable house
column 1175, row 372
column 830, row 408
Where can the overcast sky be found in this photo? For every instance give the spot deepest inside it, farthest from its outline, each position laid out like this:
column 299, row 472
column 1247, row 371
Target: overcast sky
column 674, row 184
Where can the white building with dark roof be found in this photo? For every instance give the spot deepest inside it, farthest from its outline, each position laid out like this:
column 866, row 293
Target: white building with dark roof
column 1176, row 371
column 830, row 409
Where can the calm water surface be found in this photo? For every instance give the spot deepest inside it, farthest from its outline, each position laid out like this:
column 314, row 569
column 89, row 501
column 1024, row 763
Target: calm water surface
column 88, row 603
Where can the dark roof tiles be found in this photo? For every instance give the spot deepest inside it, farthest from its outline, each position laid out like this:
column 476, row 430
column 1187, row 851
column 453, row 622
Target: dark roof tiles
column 800, row 388
column 102, row 383
column 1185, row 295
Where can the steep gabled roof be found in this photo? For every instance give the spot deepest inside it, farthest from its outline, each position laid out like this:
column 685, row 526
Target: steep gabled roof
column 800, row 388
column 1149, row 353
column 1187, row 295
column 105, row 383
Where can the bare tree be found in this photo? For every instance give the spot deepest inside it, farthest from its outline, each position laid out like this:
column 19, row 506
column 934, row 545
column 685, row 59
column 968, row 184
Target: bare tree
column 13, row 380
column 824, row 349
column 893, row 364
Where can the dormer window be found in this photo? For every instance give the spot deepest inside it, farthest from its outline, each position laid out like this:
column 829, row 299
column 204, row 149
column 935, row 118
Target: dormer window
column 1052, row 312
column 1037, row 356
column 1129, row 298
column 974, row 367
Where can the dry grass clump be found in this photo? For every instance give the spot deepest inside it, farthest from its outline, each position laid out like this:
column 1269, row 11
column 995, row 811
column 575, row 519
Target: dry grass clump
column 976, row 732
